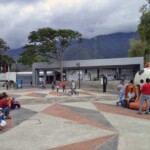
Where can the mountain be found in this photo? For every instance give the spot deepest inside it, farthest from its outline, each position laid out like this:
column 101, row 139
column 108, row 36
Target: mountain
column 103, row 46
column 114, row 45
column 15, row 53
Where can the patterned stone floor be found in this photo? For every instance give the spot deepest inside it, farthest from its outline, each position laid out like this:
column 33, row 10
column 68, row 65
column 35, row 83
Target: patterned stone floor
column 89, row 121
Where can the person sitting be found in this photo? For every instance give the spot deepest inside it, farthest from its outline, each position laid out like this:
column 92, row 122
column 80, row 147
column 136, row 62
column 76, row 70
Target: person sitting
column 2, row 121
column 5, row 105
column 13, row 103
column 130, row 98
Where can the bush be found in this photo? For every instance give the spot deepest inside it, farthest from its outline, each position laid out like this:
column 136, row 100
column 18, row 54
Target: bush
column 95, row 79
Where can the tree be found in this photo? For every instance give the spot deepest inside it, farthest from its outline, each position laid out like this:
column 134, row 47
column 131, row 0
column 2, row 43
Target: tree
column 144, row 28
column 3, row 46
column 48, row 43
column 5, row 59
column 8, row 60
column 142, row 47
column 137, row 48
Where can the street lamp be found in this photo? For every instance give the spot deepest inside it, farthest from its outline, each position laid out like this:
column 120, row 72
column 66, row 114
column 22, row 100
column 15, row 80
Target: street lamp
column 16, row 70
column 78, row 65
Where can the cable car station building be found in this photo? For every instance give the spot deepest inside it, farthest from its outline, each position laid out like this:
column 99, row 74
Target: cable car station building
column 88, row 70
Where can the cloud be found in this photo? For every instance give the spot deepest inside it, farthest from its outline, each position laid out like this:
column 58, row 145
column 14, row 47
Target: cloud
column 8, row 2
column 91, row 18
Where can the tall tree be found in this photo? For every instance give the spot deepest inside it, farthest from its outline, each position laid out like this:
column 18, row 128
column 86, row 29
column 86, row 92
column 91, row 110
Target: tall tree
column 142, row 47
column 8, row 60
column 4, row 59
column 137, row 48
column 3, row 46
column 47, row 43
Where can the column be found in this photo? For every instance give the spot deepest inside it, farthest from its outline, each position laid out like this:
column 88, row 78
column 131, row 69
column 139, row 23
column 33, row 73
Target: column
column 45, row 76
column 35, row 77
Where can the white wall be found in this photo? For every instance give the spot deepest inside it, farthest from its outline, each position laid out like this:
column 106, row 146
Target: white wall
column 109, row 73
column 72, row 75
column 8, row 76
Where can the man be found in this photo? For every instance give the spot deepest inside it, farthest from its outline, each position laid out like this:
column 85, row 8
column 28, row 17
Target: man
column 145, row 96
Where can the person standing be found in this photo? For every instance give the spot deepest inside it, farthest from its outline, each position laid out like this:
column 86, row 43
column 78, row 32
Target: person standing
column 53, row 85
column 21, row 84
column 17, row 85
column 30, row 83
column 73, row 87
column 63, row 84
column 121, row 88
column 57, row 87
column 141, row 83
column 104, row 83
column 6, row 85
column 145, row 96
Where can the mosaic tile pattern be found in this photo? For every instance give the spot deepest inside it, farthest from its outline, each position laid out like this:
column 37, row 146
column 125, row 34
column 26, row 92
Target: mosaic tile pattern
column 46, row 112
column 119, row 111
column 86, row 145
column 60, row 111
column 92, row 114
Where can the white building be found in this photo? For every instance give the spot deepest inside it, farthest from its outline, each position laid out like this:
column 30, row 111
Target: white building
column 114, row 69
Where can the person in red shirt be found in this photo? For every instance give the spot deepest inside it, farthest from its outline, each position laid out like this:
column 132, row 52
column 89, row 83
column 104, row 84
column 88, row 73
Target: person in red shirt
column 63, row 84
column 145, row 96
column 5, row 105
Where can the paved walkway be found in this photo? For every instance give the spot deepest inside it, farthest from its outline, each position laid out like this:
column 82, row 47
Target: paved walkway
column 57, row 121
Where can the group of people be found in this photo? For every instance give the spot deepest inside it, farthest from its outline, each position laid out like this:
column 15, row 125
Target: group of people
column 13, row 85
column 6, row 104
column 125, row 98
column 63, row 84
column 128, row 93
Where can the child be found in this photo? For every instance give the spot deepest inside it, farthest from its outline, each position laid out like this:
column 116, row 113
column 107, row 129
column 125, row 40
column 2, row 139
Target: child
column 130, row 98
column 2, row 122
column 57, row 87
column 15, row 104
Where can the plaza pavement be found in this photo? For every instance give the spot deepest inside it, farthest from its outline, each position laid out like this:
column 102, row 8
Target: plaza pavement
column 57, row 121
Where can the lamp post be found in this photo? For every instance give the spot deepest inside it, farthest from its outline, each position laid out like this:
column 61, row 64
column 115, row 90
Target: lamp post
column 78, row 65
column 16, row 70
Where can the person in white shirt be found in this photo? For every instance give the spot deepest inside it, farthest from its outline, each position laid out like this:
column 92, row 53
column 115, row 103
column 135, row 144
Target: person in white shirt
column 121, row 88
column 131, row 98
column 73, row 88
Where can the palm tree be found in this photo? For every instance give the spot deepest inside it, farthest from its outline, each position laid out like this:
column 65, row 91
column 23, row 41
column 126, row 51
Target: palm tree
column 4, row 59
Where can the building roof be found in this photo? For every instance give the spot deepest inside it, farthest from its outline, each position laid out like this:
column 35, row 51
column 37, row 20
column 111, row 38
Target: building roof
column 92, row 63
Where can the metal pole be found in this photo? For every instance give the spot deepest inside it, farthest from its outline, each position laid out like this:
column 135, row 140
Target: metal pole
column 78, row 65
column 16, row 71
column 79, row 76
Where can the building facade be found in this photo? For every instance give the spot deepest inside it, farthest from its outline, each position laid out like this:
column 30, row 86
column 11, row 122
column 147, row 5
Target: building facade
column 88, row 70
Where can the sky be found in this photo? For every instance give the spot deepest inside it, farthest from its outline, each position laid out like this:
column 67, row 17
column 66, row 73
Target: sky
column 89, row 17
